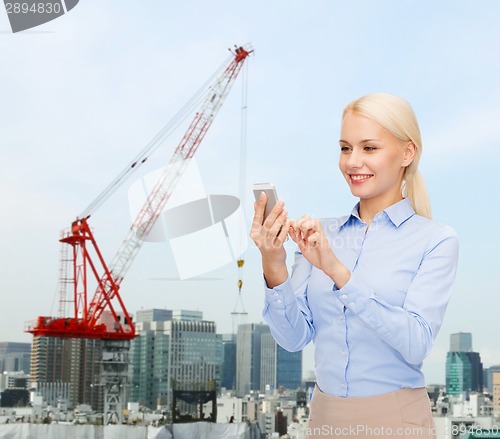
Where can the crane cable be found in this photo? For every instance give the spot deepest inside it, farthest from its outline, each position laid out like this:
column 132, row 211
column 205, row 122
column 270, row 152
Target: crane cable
column 243, row 189
column 153, row 145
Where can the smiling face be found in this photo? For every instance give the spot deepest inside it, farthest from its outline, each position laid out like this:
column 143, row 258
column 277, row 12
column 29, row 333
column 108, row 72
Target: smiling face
column 373, row 161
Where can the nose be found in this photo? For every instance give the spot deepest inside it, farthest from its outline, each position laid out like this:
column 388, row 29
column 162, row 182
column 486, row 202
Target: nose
column 354, row 160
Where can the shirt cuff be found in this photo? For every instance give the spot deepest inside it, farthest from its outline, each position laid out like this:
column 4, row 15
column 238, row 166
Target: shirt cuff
column 280, row 296
column 355, row 295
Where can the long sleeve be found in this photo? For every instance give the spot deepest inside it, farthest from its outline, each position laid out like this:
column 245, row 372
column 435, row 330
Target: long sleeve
column 410, row 329
column 372, row 334
column 286, row 308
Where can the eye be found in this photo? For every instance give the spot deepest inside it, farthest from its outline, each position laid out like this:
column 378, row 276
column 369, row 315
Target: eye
column 344, row 148
column 369, row 148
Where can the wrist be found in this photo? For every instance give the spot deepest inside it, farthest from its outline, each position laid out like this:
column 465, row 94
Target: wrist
column 339, row 273
column 275, row 257
column 275, row 271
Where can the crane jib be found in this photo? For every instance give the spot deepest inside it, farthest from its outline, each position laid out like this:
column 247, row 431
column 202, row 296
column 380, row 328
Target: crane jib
column 105, row 315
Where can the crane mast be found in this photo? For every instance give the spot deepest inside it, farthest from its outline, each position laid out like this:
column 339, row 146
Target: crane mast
column 105, row 316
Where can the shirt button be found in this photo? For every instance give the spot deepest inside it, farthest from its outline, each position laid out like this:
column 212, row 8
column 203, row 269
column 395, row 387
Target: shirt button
column 276, row 294
column 351, row 303
column 344, row 296
column 279, row 301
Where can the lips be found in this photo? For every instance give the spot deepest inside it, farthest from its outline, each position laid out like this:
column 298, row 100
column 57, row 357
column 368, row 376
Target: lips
column 359, row 178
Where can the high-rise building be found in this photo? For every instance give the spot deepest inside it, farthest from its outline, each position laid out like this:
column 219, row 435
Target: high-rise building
column 15, row 357
column 458, row 373
column 67, row 368
column 262, row 364
column 278, row 367
column 496, row 393
column 288, row 368
column 488, row 376
column 153, row 315
column 172, row 351
column 229, row 361
column 267, row 362
column 464, row 370
column 248, row 357
column 461, row 342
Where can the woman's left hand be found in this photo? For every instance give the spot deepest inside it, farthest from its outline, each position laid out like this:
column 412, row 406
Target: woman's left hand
column 309, row 235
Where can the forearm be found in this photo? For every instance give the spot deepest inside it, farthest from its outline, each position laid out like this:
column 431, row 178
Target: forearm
column 275, row 271
column 286, row 308
column 409, row 328
column 405, row 331
column 288, row 317
column 338, row 272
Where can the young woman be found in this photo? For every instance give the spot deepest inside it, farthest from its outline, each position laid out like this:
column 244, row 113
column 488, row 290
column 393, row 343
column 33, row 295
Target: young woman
column 371, row 288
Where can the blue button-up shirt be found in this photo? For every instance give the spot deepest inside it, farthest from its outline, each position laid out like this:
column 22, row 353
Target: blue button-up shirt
column 372, row 334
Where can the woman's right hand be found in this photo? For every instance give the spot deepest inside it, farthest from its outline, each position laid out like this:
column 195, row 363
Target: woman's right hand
column 269, row 236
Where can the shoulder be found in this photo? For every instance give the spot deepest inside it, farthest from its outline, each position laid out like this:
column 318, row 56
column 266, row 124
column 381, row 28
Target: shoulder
column 432, row 226
column 432, row 232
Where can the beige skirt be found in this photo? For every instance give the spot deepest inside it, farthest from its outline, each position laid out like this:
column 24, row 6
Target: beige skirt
column 402, row 414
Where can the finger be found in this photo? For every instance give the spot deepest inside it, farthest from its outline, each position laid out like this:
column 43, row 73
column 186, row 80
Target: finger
column 256, row 224
column 259, row 208
column 275, row 212
column 302, row 245
column 310, row 224
column 282, row 235
column 313, row 226
column 298, row 223
column 278, row 223
column 291, row 232
column 314, row 239
column 306, row 230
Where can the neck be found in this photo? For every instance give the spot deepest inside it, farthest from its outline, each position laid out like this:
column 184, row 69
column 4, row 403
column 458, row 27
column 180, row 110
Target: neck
column 368, row 208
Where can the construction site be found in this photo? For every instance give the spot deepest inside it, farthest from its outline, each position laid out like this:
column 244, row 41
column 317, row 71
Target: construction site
column 82, row 354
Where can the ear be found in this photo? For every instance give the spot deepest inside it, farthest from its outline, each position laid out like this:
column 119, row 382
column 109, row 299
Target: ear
column 410, row 151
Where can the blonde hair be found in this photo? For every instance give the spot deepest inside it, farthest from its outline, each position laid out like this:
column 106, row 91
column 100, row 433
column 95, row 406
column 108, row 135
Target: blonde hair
column 396, row 115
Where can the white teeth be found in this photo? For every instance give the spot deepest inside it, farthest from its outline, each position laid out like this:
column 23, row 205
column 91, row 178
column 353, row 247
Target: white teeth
column 360, row 177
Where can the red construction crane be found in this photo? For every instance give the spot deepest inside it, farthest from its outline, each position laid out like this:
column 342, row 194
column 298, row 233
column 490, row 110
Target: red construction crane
column 105, row 315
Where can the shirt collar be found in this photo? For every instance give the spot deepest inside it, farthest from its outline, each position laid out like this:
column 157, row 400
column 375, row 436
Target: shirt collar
column 398, row 213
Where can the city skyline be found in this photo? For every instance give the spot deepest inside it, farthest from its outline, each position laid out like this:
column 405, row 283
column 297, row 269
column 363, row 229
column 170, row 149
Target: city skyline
column 11, row 353
column 174, row 350
column 80, row 100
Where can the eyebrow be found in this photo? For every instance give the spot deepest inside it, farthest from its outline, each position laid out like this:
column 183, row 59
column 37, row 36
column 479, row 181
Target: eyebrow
column 363, row 141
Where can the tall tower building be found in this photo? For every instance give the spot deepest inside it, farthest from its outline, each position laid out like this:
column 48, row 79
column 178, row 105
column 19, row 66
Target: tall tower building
column 248, row 357
column 69, row 369
column 228, row 380
column 180, row 349
column 279, row 368
column 288, row 368
column 263, row 364
column 268, row 360
column 464, row 370
column 461, row 342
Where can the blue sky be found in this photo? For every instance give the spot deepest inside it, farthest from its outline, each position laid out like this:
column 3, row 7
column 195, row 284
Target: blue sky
column 81, row 96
